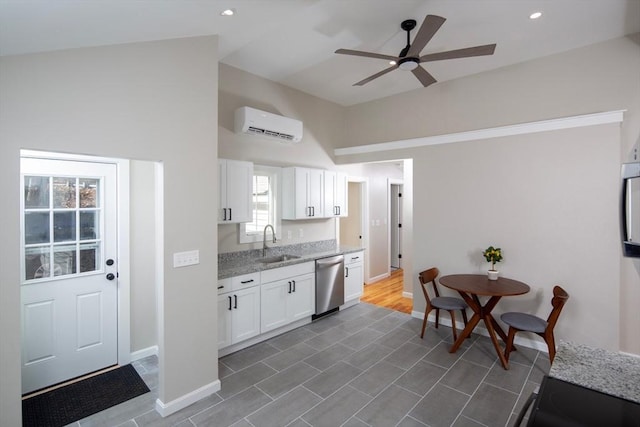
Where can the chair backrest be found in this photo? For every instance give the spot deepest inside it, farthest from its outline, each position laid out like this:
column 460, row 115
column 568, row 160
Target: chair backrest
column 426, row 277
column 560, row 297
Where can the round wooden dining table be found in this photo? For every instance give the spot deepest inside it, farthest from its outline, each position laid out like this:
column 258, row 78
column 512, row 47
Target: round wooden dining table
column 473, row 286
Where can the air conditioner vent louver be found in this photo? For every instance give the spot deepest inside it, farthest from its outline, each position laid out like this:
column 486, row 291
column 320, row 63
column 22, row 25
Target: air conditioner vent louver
column 255, row 122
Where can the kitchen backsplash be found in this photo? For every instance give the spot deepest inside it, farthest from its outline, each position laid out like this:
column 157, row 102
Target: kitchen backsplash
column 274, row 250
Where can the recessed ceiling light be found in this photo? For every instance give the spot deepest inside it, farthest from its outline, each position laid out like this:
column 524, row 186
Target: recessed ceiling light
column 392, row 62
column 535, row 15
column 227, row 12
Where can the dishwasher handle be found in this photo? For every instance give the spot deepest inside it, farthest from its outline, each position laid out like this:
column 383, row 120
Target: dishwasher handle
column 328, row 262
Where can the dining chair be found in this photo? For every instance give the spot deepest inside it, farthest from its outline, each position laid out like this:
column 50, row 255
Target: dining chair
column 527, row 322
column 438, row 303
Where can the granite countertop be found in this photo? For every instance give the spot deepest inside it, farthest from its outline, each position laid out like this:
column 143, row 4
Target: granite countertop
column 245, row 262
column 612, row 373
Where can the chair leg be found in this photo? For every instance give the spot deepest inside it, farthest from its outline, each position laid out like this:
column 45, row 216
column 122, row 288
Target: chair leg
column 551, row 344
column 424, row 323
column 437, row 317
column 510, row 338
column 464, row 319
column 453, row 324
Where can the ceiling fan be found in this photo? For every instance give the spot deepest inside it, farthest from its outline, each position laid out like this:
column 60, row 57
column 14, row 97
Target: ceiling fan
column 410, row 59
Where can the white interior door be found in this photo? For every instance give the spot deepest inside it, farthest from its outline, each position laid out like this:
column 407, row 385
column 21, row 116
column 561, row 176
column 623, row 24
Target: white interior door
column 69, row 270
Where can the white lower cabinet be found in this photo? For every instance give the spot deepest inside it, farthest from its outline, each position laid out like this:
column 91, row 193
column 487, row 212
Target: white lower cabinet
column 286, row 301
column 287, row 295
column 353, row 275
column 239, row 311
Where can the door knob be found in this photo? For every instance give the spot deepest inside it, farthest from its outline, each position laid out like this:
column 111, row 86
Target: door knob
column 109, row 261
column 111, row 276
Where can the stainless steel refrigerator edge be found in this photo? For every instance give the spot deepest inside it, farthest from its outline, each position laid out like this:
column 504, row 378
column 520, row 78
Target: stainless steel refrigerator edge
column 329, row 284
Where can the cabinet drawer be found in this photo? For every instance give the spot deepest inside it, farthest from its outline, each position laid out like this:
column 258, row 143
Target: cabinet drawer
column 287, row 272
column 245, row 281
column 224, row 285
column 353, row 258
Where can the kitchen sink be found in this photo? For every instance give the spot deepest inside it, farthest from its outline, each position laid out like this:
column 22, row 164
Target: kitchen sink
column 278, row 258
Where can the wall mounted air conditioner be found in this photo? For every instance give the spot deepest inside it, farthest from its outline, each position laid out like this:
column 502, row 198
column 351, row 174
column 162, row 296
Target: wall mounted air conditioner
column 255, row 122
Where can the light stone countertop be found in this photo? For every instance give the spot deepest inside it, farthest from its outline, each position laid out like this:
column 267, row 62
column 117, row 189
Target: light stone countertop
column 244, row 262
column 612, row 373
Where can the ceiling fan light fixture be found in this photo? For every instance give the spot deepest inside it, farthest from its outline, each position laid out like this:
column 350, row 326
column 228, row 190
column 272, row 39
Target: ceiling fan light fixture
column 409, row 64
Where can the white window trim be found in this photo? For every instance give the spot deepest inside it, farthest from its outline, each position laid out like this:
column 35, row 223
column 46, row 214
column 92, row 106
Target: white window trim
column 276, row 175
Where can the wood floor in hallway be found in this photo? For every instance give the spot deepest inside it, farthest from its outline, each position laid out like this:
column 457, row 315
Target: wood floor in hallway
column 388, row 293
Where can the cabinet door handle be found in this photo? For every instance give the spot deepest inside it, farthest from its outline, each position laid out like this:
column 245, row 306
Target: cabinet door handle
column 339, row 210
column 355, row 258
column 294, row 285
column 229, row 302
column 220, row 287
column 346, row 269
column 235, row 301
column 230, row 213
column 246, row 281
column 289, row 287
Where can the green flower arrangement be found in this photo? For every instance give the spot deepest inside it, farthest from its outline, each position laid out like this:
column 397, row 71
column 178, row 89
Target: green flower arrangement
column 492, row 255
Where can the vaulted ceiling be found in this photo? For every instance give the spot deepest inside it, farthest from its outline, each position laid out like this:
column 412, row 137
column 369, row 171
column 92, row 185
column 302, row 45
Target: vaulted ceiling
column 293, row 42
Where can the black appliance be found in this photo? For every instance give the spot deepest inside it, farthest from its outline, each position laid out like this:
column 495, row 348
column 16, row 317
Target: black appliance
column 563, row 404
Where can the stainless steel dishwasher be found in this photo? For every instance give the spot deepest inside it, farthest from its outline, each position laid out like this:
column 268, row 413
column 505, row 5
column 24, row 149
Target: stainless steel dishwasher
column 329, row 285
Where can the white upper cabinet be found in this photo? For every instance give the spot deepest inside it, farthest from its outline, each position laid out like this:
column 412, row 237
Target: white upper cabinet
column 335, row 194
column 303, row 193
column 236, row 188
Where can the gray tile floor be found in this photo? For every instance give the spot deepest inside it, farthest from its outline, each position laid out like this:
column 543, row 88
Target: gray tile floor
column 364, row 366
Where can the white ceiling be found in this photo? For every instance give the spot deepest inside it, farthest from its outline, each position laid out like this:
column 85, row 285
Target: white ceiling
column 293, row 41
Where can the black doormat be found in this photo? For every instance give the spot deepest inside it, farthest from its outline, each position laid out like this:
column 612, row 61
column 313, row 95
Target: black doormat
column 75, row 401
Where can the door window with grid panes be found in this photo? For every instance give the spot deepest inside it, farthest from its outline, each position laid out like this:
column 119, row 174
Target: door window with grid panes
column 62, row 226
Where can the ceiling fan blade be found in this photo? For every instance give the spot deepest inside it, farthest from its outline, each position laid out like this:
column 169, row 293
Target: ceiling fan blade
column 486, row 49
column 375, row 76
column 423, row 75
column 430, row 26
column 366, row 54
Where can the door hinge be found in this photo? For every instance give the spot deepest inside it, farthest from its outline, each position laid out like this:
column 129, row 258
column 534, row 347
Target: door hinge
column 399, row 255
column 399, row 225
column 399, row 194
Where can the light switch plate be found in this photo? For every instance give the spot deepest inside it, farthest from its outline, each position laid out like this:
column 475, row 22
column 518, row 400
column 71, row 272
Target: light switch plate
column 183, row 259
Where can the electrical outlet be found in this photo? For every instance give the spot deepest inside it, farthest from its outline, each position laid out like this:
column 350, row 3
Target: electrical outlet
column 183, row 259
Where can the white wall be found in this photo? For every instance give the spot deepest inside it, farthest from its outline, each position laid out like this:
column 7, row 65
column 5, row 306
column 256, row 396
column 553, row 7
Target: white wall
column 378, row 174
column 598, row 78
column 144, row 322
column 323, row 124
column 149, row 101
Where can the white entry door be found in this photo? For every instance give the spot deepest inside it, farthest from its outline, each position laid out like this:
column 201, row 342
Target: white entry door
column 69, row 270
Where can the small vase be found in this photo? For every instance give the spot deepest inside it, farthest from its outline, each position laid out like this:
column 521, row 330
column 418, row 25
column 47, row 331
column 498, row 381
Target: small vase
column 493, row 274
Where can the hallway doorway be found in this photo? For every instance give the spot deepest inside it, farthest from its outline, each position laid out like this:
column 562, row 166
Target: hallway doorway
column 388, row 293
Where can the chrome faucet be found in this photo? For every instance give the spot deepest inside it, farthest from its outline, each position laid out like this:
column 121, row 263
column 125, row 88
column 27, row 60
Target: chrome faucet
column 264, row 239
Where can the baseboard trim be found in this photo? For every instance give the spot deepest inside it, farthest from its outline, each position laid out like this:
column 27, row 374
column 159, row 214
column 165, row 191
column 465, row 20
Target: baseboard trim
column 407, row 294
column 145, row 352
column 519, row 340
column 375, row 279
column 166, row 409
